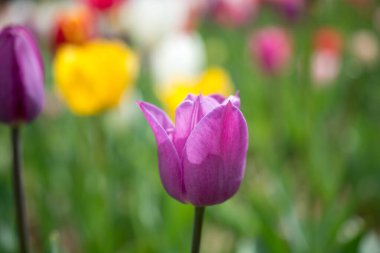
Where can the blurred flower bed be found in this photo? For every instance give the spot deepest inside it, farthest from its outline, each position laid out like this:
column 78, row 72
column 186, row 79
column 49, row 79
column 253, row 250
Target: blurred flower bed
column 308, row 75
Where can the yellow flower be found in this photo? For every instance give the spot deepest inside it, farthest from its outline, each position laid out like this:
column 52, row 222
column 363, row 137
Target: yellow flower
column 93, row 77
column 214, row 80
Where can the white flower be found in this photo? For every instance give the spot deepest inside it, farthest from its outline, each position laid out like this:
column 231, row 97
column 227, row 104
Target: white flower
column 147, row 21
column 180, row 55
column 365, row 47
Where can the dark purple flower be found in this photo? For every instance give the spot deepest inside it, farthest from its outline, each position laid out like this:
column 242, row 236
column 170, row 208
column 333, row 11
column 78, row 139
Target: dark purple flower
column 290, row 9
column 202, row 157
column 21, row 76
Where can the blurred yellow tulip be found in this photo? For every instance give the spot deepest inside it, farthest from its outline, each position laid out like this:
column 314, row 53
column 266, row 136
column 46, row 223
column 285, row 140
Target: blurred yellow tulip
column 94, row 76
column 213, row 80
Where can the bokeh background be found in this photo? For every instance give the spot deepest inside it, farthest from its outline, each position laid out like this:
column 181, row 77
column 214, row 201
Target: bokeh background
column 308, row 75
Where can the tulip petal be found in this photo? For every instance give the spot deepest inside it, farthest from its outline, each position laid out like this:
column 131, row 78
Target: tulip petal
column 9, row 78
column 218, row 98
column 191, row 97
column 168, row 160
column 235, row 100
column 160, row 116
column 188, row 114
column 214, row 156
column 21, row 77
column 32, row 74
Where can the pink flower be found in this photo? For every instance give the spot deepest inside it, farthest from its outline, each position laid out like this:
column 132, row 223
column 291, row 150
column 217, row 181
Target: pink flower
column 202, row 157
column 102, row 5
column 271, row 49
column 326, row 57
column 234, row 12
column 325, row 68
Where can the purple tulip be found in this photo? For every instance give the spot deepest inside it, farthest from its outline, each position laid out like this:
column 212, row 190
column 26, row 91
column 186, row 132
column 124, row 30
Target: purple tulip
column 290, row 9
column 21, row 76
column 201, row 158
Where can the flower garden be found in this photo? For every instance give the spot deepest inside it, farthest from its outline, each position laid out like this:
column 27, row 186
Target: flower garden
column 216, row 126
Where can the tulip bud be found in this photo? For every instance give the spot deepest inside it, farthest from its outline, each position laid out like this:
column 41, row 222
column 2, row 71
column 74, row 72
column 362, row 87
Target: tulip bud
column 271, row 48
column 202, row 157
column 22, row 76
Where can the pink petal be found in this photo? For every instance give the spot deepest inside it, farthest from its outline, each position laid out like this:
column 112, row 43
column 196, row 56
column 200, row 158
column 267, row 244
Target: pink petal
column 188, row 114
column 31, row 72
column 215, row 155
column 168, row 161
column 191, row 97
column 218, row 98
column 235, row 100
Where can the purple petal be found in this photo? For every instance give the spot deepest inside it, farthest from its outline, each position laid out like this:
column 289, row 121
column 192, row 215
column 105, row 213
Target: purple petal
column 235, row 100
column 191, row 97
column 188, row 114
column 214, row 156
column 162, row 118
column 9, row 78
column 218, row 98
column 31, row 73
column 21, row 76
column 168, row 161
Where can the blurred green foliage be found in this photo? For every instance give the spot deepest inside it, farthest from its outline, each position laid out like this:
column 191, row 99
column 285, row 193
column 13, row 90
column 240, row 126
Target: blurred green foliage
column 312, row 175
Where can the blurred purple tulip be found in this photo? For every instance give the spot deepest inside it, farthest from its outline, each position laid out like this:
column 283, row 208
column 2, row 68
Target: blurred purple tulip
column 21, row 76
column 290, row 9
column 202, row 158
column 271, row 49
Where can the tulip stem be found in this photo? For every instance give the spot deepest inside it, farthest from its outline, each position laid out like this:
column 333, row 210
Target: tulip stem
column 19, row 192
column 197, row 230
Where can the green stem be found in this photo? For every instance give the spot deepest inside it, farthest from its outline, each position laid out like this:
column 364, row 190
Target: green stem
column 197, row 230
column 19, row 192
